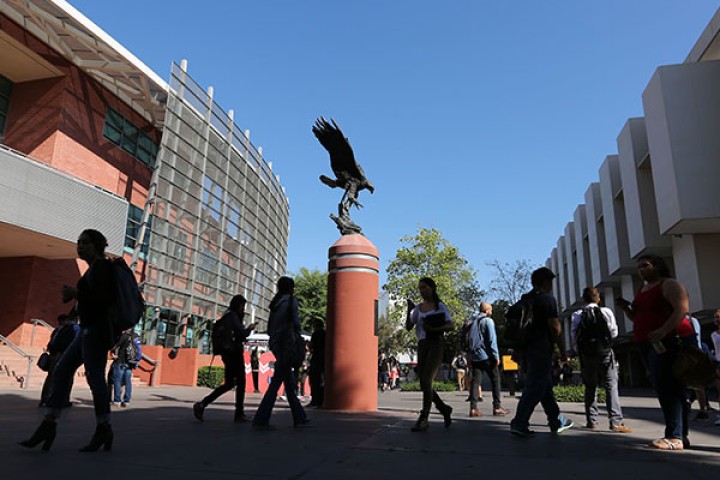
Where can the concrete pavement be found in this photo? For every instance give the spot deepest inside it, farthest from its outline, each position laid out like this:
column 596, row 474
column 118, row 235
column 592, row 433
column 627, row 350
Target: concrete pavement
column 158, row 438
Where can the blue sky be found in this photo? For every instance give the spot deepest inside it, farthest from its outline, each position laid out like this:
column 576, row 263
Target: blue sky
column 484, row 119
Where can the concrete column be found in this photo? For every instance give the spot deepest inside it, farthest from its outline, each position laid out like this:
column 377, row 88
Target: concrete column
column 351, row 345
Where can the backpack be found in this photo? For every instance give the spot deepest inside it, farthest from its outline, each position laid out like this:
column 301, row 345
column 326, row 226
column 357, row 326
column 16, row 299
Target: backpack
column 470, row 339
column 129, row 305
column 518, row 322
column 593, row 334
column 223, row 335
column 133, row 352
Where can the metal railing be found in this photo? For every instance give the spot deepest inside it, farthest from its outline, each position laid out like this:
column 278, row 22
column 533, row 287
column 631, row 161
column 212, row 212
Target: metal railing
column 22, row 353
column 36, row 322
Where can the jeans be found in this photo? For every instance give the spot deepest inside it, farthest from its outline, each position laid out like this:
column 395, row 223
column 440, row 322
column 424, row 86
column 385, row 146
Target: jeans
column 90, row 348
column 430, row 351
column 122, row 375
column 601, row 369
column 538, row 389
column 234, row 377
column 489, row 367
column 283, row 375
column 672, row 395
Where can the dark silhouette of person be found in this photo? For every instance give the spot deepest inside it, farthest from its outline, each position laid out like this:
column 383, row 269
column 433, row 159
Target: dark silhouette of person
column 255, row 367
column 283, row 317
column 317, row 364
column 94, row 295
column 234, row 362
column 60, row 340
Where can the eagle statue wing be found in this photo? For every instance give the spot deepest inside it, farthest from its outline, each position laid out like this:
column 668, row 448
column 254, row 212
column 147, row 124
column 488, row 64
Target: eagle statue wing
column 342, row 158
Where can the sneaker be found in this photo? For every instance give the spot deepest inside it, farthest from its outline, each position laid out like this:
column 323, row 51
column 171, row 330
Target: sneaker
column 593, row 426
column 116, row 404
column 198, row 411
column 565, row 424
column 522, row 433
column 702, row 416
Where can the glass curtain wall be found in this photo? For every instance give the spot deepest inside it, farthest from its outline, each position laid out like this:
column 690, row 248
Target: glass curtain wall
column 220, row 222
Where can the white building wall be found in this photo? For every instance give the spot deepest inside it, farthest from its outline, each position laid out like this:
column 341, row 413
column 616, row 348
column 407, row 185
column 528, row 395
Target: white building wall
column 596, row 235
column 639, row 191
column 571, row 261
column 682, row 111
column 582, row 247
column 616, row 235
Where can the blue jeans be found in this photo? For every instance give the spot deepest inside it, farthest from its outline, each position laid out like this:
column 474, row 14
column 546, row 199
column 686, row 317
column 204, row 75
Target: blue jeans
column 122, row 375
column 283, row 375
column 90, row 348
column 537, row 365
column 672, row 395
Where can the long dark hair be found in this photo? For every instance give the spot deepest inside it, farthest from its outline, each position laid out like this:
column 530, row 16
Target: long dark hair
column 433, row 286
column 237, row 302
column 285, row 286
column 658, row 262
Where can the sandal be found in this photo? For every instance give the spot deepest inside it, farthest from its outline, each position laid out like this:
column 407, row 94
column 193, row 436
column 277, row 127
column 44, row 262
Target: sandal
column 667, row 444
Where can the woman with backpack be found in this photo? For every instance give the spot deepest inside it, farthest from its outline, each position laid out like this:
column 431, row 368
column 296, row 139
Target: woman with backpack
column 94, row 295
column 431, row 319
column 284, row 332
column 228, row 337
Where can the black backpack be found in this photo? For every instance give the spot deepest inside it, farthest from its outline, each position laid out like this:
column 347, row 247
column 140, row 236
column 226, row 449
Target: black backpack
column 223, row 335
column 518, row 322
column 593, row 334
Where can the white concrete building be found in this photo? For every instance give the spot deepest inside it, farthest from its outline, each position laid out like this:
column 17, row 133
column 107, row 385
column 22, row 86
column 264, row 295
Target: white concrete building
column 659, row 193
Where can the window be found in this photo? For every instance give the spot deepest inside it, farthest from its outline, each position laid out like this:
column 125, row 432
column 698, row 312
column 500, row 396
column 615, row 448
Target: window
column 132, row 230
column 5, row 91
column 122, row 132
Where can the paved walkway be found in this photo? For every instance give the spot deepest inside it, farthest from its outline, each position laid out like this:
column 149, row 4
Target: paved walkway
column 157, row 438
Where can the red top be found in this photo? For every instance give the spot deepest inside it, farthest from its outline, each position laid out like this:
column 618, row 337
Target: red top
column 651, row 311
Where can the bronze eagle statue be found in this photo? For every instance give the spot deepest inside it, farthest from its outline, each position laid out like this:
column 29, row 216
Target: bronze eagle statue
column 349, row 174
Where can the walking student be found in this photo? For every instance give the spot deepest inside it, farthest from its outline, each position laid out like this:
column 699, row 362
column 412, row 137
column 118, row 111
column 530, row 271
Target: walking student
column 660, row 328
column 542, row 334
column 60, row 340
column 284, row 320
column 431, row 319
column 592, row 329
column 94, row 295
column 228, row 337
column 125, row 358
column 484, row 358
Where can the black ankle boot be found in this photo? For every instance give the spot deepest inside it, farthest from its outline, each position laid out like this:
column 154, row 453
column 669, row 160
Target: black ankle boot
column 103, row 437
column 44, row 433
column 421, row 425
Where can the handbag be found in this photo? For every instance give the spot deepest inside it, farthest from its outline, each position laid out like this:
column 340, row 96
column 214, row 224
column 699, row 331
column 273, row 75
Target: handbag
column 43, row 362
column 692, row 367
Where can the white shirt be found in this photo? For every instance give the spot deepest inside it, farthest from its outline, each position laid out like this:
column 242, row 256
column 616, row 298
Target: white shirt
column 716, row 341
column 577, row 315
column 417, row 317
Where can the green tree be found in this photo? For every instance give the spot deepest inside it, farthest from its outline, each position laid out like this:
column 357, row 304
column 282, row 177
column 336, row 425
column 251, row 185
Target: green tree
column 428, row 254
column 311, row 292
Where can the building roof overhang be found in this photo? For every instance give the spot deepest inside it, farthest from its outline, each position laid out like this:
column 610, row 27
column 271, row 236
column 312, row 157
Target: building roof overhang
column 94, row 51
